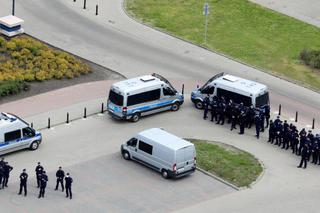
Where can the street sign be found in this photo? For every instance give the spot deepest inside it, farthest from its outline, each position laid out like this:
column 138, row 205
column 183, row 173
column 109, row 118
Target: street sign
column 206, row 9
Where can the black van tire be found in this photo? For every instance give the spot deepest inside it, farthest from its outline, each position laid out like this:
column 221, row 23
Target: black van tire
column 198, row 104
column 164, row 174
column 34, row 145
column 126, row 155
column 135, row 117
column 175, row 106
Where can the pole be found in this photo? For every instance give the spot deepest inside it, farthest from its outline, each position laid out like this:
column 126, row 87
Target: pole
column 102, row 107
column 85, row 113
column 67, row 117
column 313, row 123
column 84, row 4
column 279, row 109
column 96, row 10
column 13, row 6
column 205, row 31
column 49, row 123
column 296, row 119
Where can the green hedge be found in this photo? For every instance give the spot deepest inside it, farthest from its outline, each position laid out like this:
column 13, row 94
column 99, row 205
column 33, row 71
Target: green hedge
column 311, row 58
column 12, row 87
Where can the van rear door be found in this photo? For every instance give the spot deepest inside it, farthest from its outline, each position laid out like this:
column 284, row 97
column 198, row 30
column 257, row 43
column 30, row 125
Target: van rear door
column 185, row 159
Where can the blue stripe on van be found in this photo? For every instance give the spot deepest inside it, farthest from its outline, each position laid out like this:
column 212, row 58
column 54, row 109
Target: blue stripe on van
column 21, row 140
column 144, row 108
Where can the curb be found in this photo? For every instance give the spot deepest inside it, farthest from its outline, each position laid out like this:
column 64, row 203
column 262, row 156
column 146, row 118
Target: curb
column 260, row 176
column 220, row 179
column 269, row 72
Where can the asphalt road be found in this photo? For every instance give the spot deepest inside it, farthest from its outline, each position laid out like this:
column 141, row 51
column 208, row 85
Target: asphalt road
column 114, row 40
column 103, row 180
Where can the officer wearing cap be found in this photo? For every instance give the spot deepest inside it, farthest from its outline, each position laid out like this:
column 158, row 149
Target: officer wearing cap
column 23, row 182
column 68, row 181
column 39, row 169
column 43, row 184
column 60, row 176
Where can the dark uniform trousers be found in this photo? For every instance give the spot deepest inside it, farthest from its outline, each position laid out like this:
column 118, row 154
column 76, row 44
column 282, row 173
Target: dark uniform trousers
column 23, row 185
column 60, row 180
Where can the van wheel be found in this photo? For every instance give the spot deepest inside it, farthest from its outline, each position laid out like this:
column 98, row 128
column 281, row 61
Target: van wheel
column 164, row 174
column 34, row 145
column 198, row 104
column 175, row 106
column 126, row 155
column 135, row 117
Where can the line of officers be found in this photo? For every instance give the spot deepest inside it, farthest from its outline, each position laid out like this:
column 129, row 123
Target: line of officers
column 220, row 110
column 41, row 176
column 302, row 143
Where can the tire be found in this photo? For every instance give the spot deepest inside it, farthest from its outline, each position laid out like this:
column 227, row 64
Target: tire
column 198, row 104
column 126, row 155
column 135, row 117
column 34, row 145
column 175, row 106
column 164, row 174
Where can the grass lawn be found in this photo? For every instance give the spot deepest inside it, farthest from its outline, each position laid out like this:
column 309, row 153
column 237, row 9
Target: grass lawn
column 235, row 166
column 240, row 29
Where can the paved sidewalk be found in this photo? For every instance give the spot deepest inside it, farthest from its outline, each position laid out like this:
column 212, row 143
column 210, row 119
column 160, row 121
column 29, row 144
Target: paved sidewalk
column 304, row 10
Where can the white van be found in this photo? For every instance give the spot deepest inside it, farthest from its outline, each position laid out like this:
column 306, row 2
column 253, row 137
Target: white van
column 161, row 151
column 130, row 99
column 231, row 87
column 15, row 134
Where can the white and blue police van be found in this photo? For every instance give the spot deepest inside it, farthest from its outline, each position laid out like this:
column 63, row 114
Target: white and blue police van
column 16, row 134
column 132, row 98
column 239, row 90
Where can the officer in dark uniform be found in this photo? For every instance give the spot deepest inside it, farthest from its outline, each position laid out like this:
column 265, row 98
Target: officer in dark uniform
column 304, row 156
column 271, row 132
column 39, row 169
column 214, row 108
column 303, row 139
column 229, row 108
column 221, row 113
column 257, row 124
column 261, row 115
column 43, row 184
column 60, row 177
column 279, row 132
column 242, row 122
column 277, row 120
column 250, row 116
column 7, row 170
column 315, row 150
column 1, row 174
column 23, row 182
column 69, row 181
column 286, row 138
column 267, row 114
column 206, row 103
column 295, row 142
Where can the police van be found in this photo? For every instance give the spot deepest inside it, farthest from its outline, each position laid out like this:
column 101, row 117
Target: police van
column 237, row 89
column 16, row 134
column 130, row 99
column 174, row 157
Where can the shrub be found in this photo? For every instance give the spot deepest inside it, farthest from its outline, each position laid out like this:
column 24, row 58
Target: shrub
column 311, row 58
column 12, row 87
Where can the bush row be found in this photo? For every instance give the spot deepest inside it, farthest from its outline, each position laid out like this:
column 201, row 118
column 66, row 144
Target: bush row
column 311, row 58
column 24, row 58
column 12, row 87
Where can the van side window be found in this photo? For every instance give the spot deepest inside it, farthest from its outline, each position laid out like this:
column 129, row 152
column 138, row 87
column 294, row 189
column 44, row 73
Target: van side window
column 237, row 98
column 168, row 91
column 14, row 135
column 145, row 147
column 143, row 97
column 132, row 142
column 28, row 132
column 208, row 90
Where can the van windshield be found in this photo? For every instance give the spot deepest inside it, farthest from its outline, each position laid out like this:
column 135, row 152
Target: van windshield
column 262, row 100
column 115, row 98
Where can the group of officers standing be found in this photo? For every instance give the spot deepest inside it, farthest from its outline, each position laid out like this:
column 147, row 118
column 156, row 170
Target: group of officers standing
column 41, row 176
column 220, row 110
column 283, row 134
column 302, row 143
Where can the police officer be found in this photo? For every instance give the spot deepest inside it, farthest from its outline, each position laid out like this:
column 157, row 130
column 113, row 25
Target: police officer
column 23, row 182
column 303, row 139
column 257, row 124
column 214, row 108
column 304, row 156
column 43, row 184
column 206, row 103
column 69, row 181
column 315, row 150
column 7, row 170
column 267, row 114
column 39, row 169
column 60, row 176
column 271, row 132
column 261, row 115
column 221, row 113
column 242, row 122
column 250, row 116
